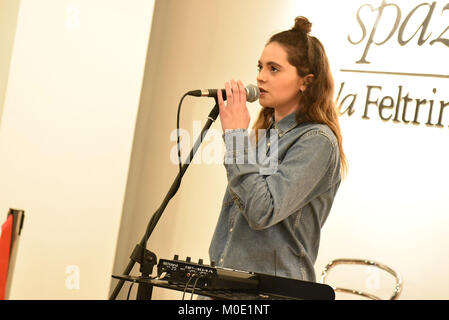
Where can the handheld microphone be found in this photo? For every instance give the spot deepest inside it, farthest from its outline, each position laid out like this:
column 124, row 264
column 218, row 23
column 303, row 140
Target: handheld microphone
column 252, row 93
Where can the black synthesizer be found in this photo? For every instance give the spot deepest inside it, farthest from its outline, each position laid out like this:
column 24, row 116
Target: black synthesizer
column 211, row 277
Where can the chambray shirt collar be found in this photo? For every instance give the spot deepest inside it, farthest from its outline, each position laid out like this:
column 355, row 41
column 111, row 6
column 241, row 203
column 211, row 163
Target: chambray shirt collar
column 285, row 124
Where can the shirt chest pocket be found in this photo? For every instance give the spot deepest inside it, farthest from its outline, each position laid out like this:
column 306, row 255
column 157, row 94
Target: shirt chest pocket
column 236, row 199
column 230, row 199
column 227, row 200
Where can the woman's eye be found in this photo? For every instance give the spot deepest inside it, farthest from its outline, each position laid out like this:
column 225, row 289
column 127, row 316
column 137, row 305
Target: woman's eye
column 259, row 67
column 274, row 69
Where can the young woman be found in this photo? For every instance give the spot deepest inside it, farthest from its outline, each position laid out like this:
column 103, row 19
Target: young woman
column 270, row 223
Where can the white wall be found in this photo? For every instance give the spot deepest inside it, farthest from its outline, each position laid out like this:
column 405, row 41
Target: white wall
column 8, row 21
column 66, row 138
column 392, row 206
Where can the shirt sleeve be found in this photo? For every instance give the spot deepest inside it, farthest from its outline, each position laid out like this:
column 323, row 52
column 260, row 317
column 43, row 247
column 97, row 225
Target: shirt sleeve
column 265, row 200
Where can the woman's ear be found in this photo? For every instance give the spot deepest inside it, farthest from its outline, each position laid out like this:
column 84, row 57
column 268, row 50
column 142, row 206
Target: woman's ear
column 306, row 81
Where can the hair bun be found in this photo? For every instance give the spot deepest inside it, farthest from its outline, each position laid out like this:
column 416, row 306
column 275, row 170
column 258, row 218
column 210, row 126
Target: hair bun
column 302, row 24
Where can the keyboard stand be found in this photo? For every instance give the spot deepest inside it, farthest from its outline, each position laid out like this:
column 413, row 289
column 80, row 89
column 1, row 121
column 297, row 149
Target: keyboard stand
column 212, row 293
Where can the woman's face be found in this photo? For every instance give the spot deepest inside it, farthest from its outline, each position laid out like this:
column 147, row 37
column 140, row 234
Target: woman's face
column 278, row 80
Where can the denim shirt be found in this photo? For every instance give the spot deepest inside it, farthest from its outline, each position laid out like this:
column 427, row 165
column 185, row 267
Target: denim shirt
column 270, row 222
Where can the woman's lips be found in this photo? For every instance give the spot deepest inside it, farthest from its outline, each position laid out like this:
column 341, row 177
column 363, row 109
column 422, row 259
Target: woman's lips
column 262, row 91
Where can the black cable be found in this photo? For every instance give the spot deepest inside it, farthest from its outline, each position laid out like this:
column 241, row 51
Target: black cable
column 132, row 283
column 152, row 223
column 177, row 131
column 194, row 285
column 187, row 284
column 129, row 291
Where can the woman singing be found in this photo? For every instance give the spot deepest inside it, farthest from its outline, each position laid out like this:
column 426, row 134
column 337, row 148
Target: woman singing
column 270, row 223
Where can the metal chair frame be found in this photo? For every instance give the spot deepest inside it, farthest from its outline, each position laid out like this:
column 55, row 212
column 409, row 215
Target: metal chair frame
column 397, row 289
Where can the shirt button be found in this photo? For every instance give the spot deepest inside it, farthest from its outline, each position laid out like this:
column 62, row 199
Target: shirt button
column 221, row 260
column 230, row 230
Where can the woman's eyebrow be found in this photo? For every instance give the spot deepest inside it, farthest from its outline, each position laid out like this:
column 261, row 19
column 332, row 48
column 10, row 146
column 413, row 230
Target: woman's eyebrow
column 270, row 63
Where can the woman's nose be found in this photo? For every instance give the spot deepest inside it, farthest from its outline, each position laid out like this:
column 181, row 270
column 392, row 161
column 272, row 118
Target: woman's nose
column 260, row 77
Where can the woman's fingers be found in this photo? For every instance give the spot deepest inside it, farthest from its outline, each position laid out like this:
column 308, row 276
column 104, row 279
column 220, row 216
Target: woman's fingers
column 233, row 115
column 242, row 91
column 229, row 95
column 220, row 101
column 235, row 92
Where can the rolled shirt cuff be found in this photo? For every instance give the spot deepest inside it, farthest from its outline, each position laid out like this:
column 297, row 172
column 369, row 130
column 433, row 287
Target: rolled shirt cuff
column 236, row 143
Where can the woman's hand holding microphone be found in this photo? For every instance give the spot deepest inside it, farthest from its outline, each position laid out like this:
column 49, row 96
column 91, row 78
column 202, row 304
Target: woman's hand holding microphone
column 233, row 115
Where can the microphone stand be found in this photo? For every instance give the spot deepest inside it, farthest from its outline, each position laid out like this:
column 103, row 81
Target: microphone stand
column 140, row 254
